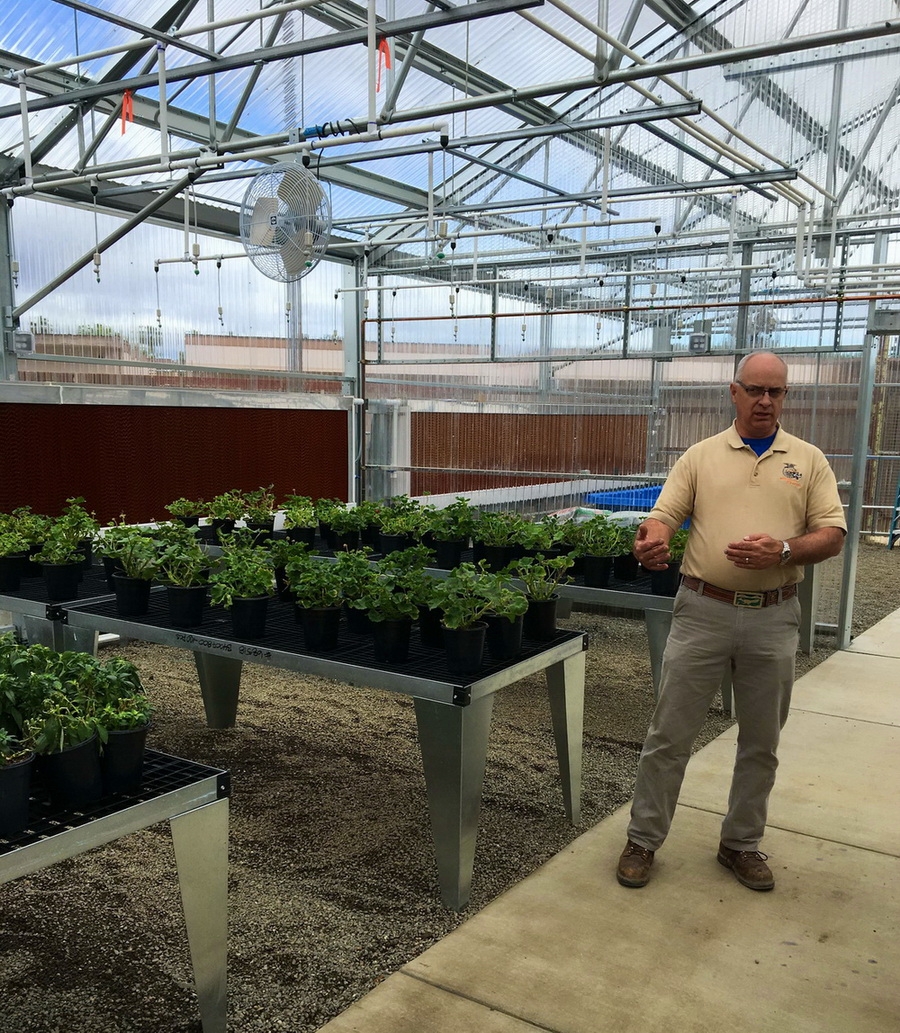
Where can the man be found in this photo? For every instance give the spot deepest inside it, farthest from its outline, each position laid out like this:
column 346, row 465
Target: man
column 762, row 505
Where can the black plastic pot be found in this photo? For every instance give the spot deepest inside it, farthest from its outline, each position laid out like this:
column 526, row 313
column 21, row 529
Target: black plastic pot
column 465, row 648
column 301, row 534
column 626, row 567
column 111, row 566
column 132, row 595
column 346, row 541
column 225, row 525
column 186, row 604
column 391, row 640
column 321, row 626
column 248, row 616
column 539, row 621
column 431, row 631
column 448, row 555
column 122, row 760
column 597, row 570
column 389, row 543
column 358, row 622
column 665, row 582
column 15, row 792
column 504, row 637
column 499, row 556
column 62, row 580
column 11, row 570
column 73, row 775
column 262, row 529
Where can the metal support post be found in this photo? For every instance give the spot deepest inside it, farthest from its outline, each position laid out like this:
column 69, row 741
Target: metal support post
column 220, row 683
column 200, row 838
column 453, row 740
column 565, row 687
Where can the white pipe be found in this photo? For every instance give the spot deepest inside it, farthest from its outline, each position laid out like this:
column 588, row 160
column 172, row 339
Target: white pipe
column 26, row 133
column 430, row 212
column 372, row 61
column 187, row 223
column 213, row 159
column 801, row 233
column 199, row 258
column 604, row 197
column 163, row 108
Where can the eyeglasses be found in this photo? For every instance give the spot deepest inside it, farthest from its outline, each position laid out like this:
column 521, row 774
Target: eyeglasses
column 757, row 392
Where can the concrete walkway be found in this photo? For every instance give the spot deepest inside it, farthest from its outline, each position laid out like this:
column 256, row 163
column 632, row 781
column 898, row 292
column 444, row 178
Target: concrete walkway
column 569, row 950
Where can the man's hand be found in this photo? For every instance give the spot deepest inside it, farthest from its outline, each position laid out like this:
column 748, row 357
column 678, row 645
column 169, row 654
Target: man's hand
column 755, row 552
column 651, row 544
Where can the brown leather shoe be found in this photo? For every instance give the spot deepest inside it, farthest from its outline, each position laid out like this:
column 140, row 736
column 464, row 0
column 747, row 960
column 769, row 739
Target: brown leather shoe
column 749, row 867
column 634, row 866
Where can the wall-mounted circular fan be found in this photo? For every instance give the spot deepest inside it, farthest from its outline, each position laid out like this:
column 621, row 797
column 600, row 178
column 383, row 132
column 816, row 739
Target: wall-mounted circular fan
column 285, row 221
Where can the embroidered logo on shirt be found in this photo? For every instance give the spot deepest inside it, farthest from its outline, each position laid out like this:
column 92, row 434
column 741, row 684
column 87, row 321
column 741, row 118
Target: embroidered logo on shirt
column 790, row 473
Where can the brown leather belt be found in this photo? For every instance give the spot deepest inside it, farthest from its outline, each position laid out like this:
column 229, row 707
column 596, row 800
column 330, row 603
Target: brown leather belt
column 755, row 600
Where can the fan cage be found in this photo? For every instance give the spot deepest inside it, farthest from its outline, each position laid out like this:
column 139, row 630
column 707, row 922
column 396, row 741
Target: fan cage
column 285, row 222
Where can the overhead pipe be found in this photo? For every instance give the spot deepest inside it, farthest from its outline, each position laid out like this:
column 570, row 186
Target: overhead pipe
column 211, row 159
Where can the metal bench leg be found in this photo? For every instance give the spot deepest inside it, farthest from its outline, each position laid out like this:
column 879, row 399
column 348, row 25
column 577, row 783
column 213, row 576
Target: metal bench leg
column 200, row 838
column 565, row 687
column 453, row 740
column 220, row 683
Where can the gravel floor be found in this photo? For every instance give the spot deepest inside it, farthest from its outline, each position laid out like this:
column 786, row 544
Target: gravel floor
column 332, row 879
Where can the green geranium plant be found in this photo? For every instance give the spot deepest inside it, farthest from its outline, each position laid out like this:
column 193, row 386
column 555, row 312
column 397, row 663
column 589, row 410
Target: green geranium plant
column 541, row 576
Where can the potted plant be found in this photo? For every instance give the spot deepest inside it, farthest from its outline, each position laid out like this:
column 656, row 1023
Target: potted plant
column 259, row 511
column 391, row 606
column 300, row 520
column 122, row 717
column 450, row 529
column 498, row 537
column 542, row 577
column 188, row 511
column 282, row 552
column 64, row 736
column 541, row 536
column 403, row 522
column 16, row 762
column 356, row 573
column 464, row 597
column 504, row 618
column 325, row 510
column 61, row 561
column 134, row 555
column 183, row 565
column 243, row 581
column 317, row 589
column 34, row 528
column 665, row 582
column 371, row 512
column 345, row 524
column 225, row 509
column 82, row 525
column 13, row 553
column 597, row 541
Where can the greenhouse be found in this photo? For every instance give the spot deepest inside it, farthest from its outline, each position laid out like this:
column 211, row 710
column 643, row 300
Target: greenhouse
column 367, row 293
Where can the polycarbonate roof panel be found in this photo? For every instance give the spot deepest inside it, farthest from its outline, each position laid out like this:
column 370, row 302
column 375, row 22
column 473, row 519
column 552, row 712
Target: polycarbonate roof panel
column 782, row 101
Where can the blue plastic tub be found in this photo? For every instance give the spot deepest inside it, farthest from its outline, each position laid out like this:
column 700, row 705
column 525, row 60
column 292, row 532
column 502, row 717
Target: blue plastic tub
column 639, row 497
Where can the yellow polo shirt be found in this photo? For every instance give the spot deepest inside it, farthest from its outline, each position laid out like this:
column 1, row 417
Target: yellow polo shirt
column 728, row 492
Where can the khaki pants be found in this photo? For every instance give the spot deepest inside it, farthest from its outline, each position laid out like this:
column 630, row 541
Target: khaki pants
column 707, row 637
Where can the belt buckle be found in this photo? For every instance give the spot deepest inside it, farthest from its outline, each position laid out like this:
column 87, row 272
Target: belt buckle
column 752, row 599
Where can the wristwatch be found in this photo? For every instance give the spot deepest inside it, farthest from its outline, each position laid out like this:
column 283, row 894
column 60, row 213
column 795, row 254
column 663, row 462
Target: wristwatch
column 785, row 553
